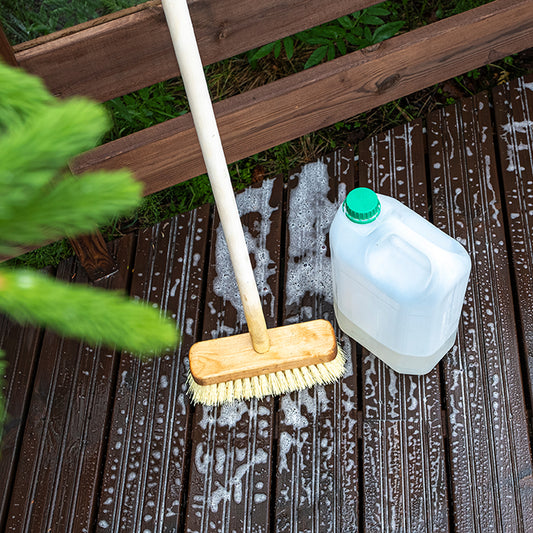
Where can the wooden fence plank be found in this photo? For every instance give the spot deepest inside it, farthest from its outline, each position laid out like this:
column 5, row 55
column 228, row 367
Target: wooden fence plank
column 6, row 51
column 21, row 346
column 267, row 116
column 490, row 459
column 404, row 468
column 316, row 484
column 231, row 454
column 114, row 55
column 56, row 483
column 147, row 454
column 513, row 107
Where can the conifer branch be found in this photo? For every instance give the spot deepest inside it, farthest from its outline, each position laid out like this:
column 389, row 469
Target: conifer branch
column 97, row 316
column 21, row 96
column 71, row 207
column 39, row 201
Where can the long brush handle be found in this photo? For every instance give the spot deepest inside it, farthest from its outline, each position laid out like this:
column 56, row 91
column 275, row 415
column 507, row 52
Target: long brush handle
column 192, row 73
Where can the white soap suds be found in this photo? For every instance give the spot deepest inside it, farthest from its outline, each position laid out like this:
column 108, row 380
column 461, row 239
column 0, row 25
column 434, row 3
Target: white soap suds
column 309, row 218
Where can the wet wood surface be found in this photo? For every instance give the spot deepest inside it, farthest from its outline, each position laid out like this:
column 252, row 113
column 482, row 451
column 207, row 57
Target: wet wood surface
column 231, row 451
column 317, row 484
column 57, row 479
column 487, row 422
column 403, row 442
column 513, row 107
column 147, row 453
column 101, row 441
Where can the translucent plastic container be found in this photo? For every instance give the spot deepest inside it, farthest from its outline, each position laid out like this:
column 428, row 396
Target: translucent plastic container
column 398, row 281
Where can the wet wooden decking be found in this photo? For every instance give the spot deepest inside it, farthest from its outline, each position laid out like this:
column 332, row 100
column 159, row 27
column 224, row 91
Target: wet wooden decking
column 98, row 441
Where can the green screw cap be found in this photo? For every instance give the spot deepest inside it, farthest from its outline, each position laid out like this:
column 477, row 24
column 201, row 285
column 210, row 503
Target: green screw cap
column 362, row 205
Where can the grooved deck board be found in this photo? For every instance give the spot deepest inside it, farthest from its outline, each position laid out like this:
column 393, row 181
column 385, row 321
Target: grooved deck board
column 317, row 463
column 403, row 444
column 57, row 483
column 21, row 345
column 487, row 427
column 513, row 105
column 99, row 441
column 146, row 461
column 231, row 453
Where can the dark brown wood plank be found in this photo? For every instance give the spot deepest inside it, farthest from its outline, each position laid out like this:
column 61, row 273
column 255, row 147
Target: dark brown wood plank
column 56, row 483
column 168, row 153
column 94, row 256
column 115, row 55
column 231, row 453
column 317, row 485
column 489, row 454
column 21, row 347
column 404, row 468
column 513, row 108
column 6, row 51
column 147, row 454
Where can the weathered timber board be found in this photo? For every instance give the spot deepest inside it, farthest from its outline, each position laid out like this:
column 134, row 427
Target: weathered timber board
column 513, row 108
column 316, row 484
column 231, row 451
column 145, row 473
column 404, row 470
column 94, row 256
column 488, row 448
column 168, row 153
column 21, row 347
column 120, row 53
column 56, row 484
column 6, row 51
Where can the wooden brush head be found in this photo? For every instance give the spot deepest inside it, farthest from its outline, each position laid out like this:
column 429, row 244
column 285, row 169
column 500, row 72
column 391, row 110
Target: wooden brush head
column 232, row 358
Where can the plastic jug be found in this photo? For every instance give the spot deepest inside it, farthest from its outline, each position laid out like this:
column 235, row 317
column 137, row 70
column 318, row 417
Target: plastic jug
column 398, row 281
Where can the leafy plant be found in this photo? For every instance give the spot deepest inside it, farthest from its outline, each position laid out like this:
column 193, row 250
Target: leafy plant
column 40, row 200
column 351, row 32
column 146, row 107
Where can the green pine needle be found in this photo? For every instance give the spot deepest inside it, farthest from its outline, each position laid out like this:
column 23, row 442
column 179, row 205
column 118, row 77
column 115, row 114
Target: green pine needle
column 72, row 207
column 35, row 151
column 14, row 109
column 39, row 202
column 96, row 316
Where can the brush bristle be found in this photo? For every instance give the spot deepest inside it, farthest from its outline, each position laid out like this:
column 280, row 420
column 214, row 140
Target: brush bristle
column 273, row 384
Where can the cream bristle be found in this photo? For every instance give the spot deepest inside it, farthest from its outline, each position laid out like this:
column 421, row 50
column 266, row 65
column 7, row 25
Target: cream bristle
column 282, row 380
column 237, row 388
column 268, row 384
column 274, row 383
column 265, row 385
column 315, row 372
column 247, row 389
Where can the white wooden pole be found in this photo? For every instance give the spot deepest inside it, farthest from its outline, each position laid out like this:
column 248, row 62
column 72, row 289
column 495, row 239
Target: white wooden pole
column 192, row 73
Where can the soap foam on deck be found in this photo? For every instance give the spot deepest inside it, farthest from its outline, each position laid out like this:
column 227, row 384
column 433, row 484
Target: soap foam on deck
column 251, row 200
column 309, row 218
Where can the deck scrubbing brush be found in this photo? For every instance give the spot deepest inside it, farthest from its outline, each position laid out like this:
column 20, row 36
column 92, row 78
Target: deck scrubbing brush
column 264, row 361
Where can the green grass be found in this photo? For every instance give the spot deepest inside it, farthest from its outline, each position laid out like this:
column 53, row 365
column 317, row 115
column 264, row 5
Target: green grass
column 24, row 20
column 166, row 100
